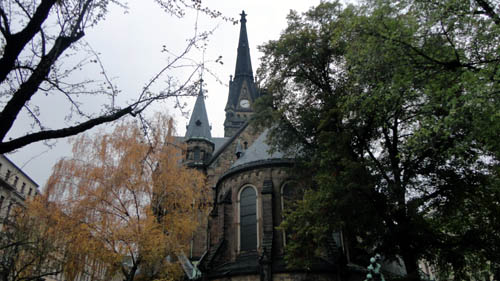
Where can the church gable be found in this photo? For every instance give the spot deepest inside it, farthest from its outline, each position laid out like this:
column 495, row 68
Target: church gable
column 240, row 89
column 225, row 157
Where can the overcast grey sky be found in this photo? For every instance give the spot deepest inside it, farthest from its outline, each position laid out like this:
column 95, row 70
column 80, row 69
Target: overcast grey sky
column 130, row 45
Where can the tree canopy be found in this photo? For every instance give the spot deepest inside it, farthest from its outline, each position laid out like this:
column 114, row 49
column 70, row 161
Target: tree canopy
column 124, row 203
column 29, row 242
column 396, row 109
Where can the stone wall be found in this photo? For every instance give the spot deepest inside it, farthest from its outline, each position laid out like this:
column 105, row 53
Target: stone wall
column 226, row 159
column 268, row 204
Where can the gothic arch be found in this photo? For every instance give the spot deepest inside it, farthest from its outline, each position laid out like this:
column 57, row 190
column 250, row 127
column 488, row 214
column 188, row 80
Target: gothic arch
column 247, row 219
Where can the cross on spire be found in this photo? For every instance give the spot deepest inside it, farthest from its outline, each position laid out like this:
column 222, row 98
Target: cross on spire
column 243, row 17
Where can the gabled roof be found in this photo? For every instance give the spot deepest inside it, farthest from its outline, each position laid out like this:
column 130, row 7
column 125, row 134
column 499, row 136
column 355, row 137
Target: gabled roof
column 226, row 142
column 198, row 126
column 218, row 143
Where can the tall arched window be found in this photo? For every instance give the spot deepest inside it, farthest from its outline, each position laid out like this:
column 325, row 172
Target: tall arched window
column 248, row 219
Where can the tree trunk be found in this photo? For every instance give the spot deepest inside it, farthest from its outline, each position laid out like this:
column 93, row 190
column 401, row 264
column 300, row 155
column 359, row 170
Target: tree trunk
column 130, row 274
column 411, row 264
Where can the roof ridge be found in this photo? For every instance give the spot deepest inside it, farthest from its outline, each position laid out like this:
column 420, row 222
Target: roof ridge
column 227, row 143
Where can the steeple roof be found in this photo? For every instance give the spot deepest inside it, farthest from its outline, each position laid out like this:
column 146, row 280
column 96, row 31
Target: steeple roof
column 198, row 124
column 243, row 71
column 243, row 62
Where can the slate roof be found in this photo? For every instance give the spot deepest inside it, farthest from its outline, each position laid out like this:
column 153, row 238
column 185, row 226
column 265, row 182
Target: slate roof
column 243, row 62
column 218, row 143
column 243, row 70
column 258, row 151
column 198, row 126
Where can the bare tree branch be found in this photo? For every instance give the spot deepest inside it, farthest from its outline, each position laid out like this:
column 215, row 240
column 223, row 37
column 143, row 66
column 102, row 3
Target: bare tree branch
column 61, row 133
column 31, row 64
column 16, row 42
column 5, row 29
column 30, row 87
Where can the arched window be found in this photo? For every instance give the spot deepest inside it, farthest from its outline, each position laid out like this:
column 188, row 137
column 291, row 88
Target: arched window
column 248, row 219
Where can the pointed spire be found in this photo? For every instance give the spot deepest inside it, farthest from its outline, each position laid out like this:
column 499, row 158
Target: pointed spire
column 243, row 62
column 198, row 124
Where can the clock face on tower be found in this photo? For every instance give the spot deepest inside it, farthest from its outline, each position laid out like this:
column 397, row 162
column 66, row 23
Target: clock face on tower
column 244, row 103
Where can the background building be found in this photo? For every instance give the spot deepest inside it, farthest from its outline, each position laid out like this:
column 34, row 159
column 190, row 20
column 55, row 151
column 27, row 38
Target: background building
column 15, row 187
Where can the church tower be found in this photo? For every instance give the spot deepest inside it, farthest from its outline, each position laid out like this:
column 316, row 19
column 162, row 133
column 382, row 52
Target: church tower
column 242, row 89
column 198, row 137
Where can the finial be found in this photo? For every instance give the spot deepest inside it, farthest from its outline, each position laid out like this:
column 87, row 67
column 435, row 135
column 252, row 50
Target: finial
column 243, row 17
column 201, row 73
column 201, row 86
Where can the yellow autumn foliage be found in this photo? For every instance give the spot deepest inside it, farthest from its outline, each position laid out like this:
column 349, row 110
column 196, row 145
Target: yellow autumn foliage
column 126, row 201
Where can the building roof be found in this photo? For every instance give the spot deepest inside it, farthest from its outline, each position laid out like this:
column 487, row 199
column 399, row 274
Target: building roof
column 222, row 143
column 243, row 70
column 257, row 155
column 20, row 170
column 219, row 142
column 198, row 126
column 258, row 151
column 243, row 62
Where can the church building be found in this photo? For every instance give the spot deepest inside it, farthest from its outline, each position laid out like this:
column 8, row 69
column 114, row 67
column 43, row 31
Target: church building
column 239, row 240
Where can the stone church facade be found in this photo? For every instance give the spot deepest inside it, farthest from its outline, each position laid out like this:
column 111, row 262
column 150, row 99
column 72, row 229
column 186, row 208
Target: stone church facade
column 240, row 240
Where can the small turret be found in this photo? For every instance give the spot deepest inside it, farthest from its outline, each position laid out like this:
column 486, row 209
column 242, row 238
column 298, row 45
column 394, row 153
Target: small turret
column 198, row 136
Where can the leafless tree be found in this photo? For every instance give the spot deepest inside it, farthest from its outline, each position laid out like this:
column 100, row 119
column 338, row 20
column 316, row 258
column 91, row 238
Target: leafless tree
column 37, row 36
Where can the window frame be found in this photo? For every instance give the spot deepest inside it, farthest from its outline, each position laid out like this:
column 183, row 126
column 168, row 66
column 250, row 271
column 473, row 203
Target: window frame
column 238, row 217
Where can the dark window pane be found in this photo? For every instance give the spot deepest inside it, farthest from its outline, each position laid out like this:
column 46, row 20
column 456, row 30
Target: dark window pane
column 248, row 219
column 196, row 153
